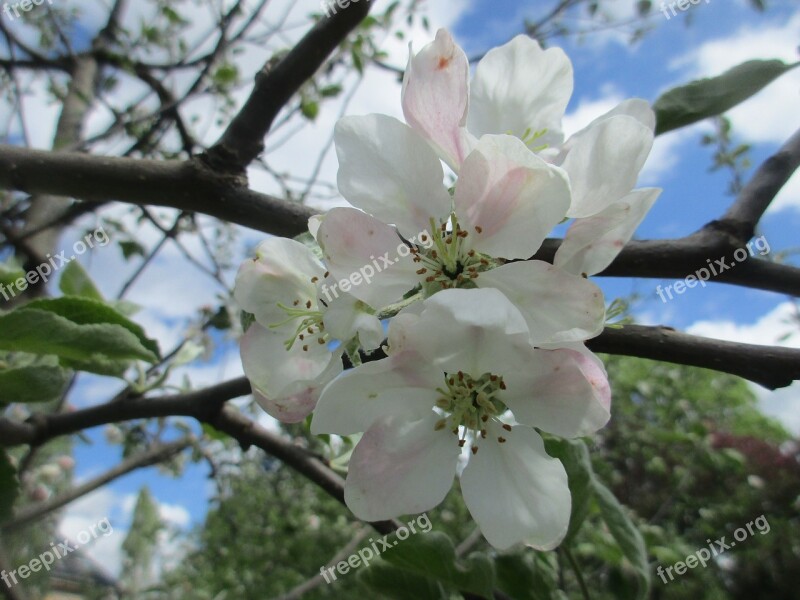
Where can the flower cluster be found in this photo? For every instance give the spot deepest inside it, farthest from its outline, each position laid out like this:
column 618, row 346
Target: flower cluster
column 485, row 345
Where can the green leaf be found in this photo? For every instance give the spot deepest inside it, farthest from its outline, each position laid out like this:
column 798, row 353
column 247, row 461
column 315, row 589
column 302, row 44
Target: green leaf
column 32, row 384
column 434, row 555
column 103, row 348
column 626, row 534
column 330, row 91
column 310, row 109
column 131, row 248
column 75, row 281
column 705, row 98
column 9, row 486
column 213, row 433
column 398, row 584
column 574, row 455
column 519, row 578
column 225, row 75
column 84, row 311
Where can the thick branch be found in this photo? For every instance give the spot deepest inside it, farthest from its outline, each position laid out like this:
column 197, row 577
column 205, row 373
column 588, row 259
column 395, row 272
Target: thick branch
column 185, row 185
column 676, row 259
column 243, row 140
column 191, row 186
column 754, row 200
column 770, row 366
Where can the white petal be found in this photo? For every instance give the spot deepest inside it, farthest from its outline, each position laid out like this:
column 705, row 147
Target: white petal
column 389, row 171
column 634, row 107
column 558, row 306
column 516, row 492
column 508, row 199
column 591, row 244
column 346, row 317
column 475, row 331
column 313, row 224
column 286, row 383
column 366, row 258
column 604, row 161
column 519, row 87
column 402, row 385
column 399, row 468
column 280, row 273
column 561, row 392
column 436, row 97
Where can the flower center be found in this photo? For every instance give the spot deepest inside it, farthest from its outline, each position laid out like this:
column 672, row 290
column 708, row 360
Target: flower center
column 468, row 404
column 449, row 263
column 529, row 138
column 307, row 323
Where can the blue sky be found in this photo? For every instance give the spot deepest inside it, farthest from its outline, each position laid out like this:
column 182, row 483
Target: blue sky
column 607, row 70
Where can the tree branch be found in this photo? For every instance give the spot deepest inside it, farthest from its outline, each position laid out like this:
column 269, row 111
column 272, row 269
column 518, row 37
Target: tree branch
column 770, row 366
column 243, row 140
column 754, row 200
column 185, row 185
column 153, row 456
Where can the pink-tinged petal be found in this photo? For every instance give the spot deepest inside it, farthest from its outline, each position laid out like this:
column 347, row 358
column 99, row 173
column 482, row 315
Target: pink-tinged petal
column 516, row 492
column 508, row 199
column 281, row 273
column 366, row 258
column 299, row 399
column 591, row 244
column 519, row 88
column 389, row 171
column 402, row 385
column 346, row 317
column 557, row 306
column 562, row 392
column 290, row 409
column 475, row 331
column 604, row 161
column 400, row 467
column 436, row 97
column 285, row 383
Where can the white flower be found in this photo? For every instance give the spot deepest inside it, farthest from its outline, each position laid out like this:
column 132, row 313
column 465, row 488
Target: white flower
column 286, row 353
column 522, row 90
column 461, row 373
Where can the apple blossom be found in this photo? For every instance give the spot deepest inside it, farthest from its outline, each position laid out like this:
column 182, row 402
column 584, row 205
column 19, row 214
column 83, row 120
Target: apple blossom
column 461, row 374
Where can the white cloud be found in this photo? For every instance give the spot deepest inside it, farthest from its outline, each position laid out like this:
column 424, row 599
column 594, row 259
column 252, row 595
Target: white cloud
column 789, row 196
column 771, row 329
column 88, row 513
column 768, row 330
